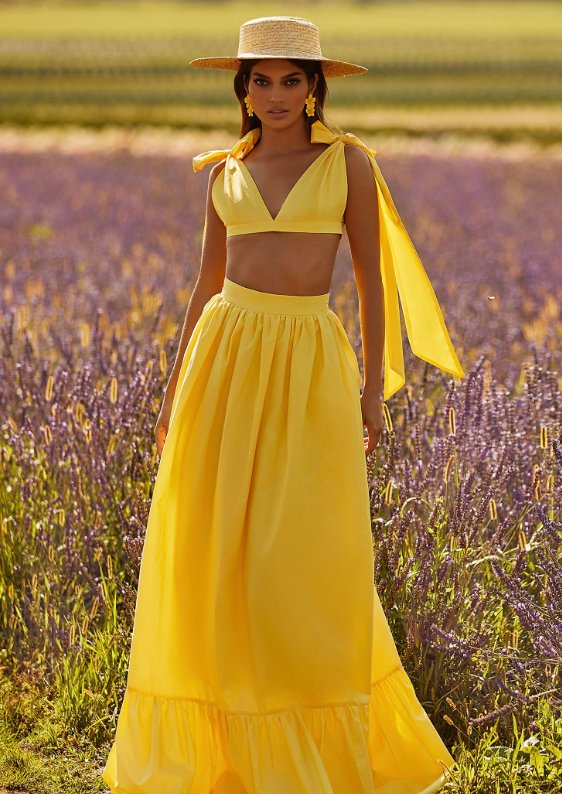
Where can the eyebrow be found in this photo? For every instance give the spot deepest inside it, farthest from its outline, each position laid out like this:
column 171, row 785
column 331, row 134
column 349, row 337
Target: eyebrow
column 259, row 74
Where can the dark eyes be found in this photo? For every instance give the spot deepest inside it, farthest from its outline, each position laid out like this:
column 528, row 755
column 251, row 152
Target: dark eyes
column 259, row 80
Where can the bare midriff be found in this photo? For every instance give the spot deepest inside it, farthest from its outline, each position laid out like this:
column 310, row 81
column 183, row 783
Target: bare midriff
column 285, row 263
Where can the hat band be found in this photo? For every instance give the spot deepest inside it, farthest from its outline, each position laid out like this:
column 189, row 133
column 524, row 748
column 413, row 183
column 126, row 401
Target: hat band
column 271, row 52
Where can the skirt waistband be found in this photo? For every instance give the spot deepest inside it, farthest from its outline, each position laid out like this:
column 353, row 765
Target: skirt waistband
column 272, row 302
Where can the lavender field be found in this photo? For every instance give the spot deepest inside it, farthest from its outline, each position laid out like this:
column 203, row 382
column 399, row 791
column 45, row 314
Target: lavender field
column 98, row 253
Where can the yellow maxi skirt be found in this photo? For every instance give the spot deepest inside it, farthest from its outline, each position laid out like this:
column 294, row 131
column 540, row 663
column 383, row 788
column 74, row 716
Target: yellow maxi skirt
column 261, row 659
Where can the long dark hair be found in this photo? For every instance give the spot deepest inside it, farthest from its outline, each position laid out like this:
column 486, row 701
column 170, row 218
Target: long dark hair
column 310, row 68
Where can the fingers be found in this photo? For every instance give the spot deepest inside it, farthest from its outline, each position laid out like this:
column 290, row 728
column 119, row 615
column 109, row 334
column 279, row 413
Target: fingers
column 160, row 434
column 373, row 438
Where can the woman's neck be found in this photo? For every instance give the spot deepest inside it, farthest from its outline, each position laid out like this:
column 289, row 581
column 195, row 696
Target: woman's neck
column 293, row 138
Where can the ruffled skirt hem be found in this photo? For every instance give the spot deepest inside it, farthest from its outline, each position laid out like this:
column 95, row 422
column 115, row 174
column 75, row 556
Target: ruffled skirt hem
column 384, row 746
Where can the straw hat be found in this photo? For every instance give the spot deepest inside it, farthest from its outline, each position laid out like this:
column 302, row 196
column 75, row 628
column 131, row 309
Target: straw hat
column 280, row 37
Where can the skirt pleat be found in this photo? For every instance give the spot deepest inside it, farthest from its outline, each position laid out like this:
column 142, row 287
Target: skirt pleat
column 261, row 659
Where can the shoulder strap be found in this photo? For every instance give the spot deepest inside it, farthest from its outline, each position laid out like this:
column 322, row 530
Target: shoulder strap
column 239, row 150
column 402, row 272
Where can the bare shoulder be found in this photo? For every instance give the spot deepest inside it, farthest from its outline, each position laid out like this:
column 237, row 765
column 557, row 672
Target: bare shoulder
column 357, row 162
column 361, row 187
column 361, row 193
column 215, row 170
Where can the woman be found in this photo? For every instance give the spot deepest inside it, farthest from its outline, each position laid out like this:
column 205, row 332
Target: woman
column 261, row 658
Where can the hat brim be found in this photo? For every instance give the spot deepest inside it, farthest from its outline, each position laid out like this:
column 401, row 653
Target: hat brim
column 330, row 68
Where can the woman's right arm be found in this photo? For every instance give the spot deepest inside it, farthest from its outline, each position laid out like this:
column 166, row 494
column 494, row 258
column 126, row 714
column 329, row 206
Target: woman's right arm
column 209, row 282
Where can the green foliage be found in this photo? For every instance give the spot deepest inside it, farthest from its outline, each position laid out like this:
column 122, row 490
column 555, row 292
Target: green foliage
column 91, row 679
column 528, row 766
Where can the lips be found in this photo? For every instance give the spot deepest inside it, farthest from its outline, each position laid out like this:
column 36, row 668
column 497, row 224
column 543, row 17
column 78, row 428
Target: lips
column 277, row 112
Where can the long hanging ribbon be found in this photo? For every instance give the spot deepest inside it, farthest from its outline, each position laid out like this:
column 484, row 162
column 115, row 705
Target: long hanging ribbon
column 402, row 272
column 401, row 269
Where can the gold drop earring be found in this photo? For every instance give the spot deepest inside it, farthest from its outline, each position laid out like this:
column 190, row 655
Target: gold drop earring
column 310, row 103
column 249, row 107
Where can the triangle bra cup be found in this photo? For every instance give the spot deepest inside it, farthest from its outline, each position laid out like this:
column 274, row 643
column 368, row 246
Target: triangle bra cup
column 316, row 203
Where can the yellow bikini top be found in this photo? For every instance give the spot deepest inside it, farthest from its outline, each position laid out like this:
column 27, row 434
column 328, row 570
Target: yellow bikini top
column 317, row 203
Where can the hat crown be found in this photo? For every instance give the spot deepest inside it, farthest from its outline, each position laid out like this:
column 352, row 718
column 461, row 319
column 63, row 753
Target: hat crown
column 289, row 37
column 280, row 37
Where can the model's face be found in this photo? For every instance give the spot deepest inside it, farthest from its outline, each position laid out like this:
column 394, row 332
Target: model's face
column 278, row 90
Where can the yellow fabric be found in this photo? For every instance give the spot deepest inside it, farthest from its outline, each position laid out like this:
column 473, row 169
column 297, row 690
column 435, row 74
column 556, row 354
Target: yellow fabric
column 317, row 204
column 261, row 658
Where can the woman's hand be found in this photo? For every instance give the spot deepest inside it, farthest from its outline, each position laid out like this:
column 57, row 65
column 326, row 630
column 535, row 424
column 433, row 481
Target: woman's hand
column 162, row 425
column 373, row 420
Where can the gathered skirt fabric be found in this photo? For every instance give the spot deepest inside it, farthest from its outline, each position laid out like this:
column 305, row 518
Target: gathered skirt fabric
column 261, row 659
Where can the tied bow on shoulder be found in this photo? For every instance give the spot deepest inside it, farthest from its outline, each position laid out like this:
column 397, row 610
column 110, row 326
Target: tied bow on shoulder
column 402, row 273
column 239, row 150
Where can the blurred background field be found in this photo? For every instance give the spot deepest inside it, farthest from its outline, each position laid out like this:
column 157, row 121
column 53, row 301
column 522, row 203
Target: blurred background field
column 101, row 222
column 485, row 68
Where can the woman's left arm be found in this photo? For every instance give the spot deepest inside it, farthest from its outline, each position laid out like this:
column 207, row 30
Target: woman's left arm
column 362, row 224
